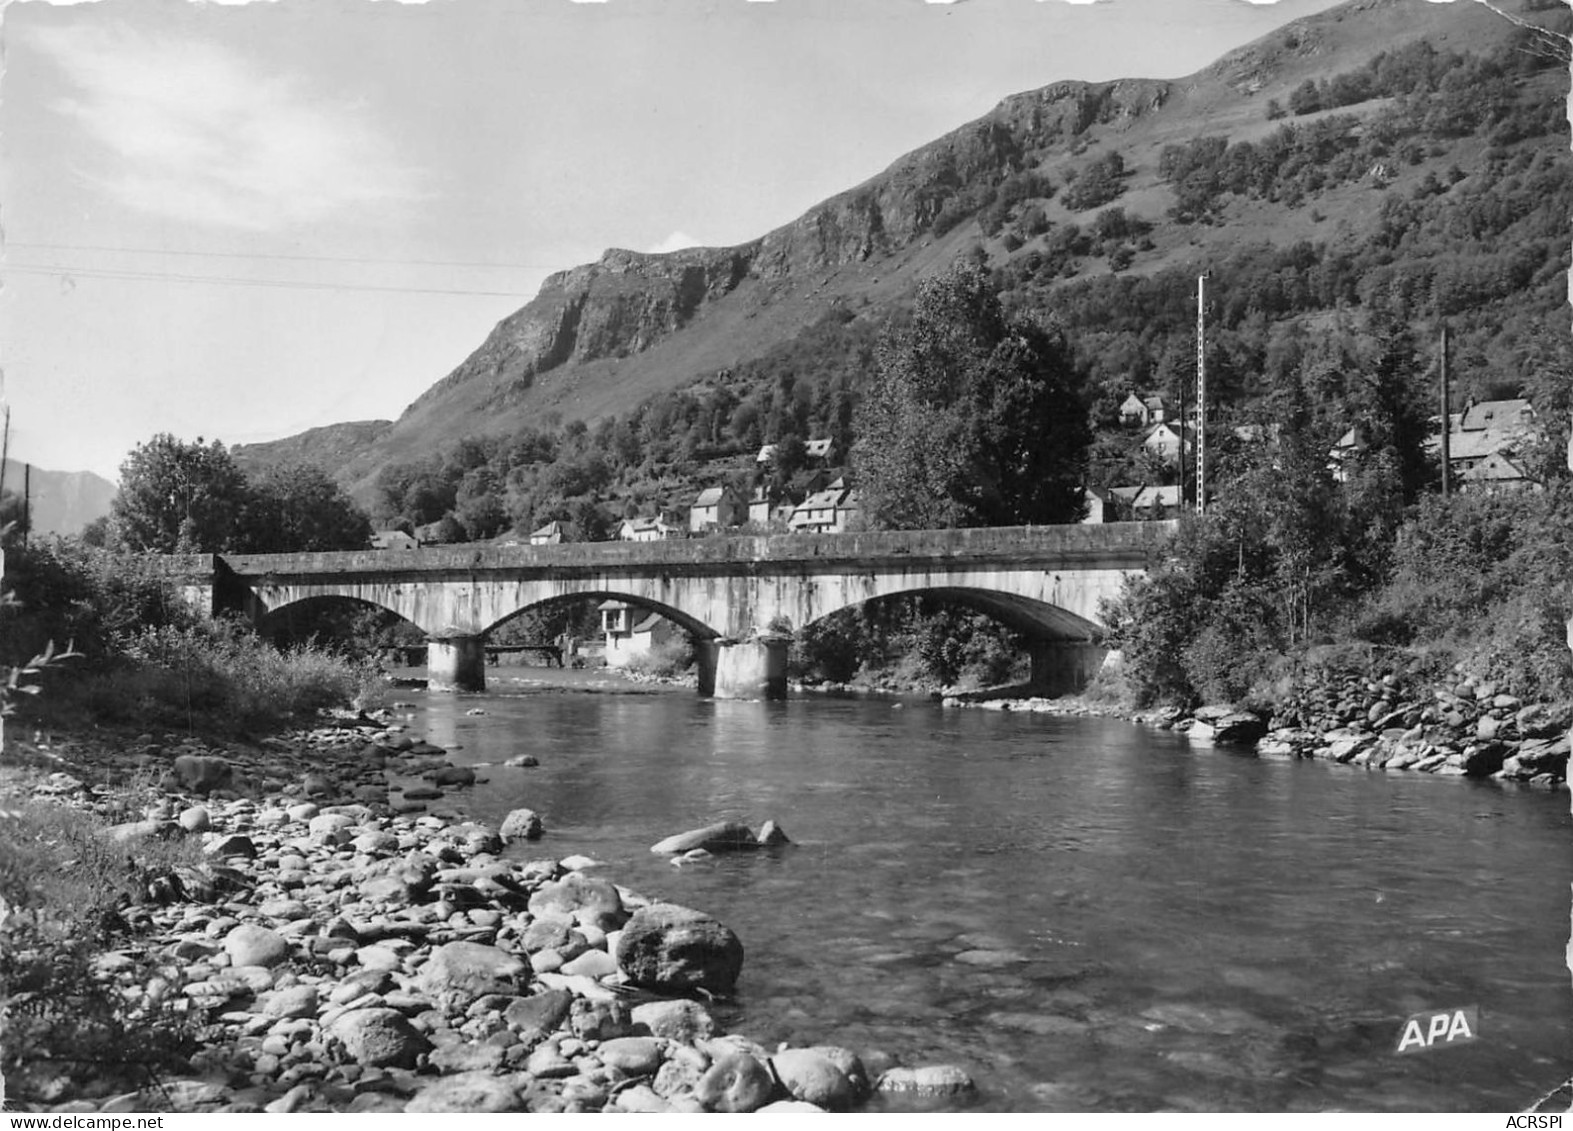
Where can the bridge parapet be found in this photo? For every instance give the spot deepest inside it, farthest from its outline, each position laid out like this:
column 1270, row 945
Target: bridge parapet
column 1111, row 545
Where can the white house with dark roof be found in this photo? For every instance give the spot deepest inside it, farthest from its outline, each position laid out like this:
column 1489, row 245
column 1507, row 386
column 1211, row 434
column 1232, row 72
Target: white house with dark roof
column 1145, row 409
column 548, row 535
column 631, row 631
column 825, row 512
column 716, row 508
column 1169, row 442
column 647, row 530
column 1497, row 472
column 394, row 540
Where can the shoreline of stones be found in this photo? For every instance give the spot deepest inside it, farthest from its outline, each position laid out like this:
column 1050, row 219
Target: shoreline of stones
column 1376, row 719
column 343, row 950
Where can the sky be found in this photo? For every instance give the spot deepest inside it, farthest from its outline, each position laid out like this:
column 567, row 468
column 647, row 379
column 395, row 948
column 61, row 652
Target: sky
column 239, row 221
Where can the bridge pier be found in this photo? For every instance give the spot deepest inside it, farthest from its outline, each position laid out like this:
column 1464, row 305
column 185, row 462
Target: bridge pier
column 1064, row 667
column 748, row 669
column 457, row 663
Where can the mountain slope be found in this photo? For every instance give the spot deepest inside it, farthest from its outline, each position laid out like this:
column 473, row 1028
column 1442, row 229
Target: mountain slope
column 600, row 338
column 63, row 502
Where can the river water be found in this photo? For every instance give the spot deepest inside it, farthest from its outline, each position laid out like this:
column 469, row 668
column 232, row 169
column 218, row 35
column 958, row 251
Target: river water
column 1084, row 913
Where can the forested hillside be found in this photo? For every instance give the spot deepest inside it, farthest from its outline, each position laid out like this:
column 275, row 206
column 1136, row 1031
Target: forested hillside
column 1388, row 156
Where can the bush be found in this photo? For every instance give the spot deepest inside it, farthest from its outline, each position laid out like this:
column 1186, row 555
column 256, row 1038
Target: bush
column 668, row 660
column 77, row 1019
column 218, row 672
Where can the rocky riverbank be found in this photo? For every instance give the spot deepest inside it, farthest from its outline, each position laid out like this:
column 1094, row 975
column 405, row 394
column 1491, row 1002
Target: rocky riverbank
column 345, row 940
column 1384, row 717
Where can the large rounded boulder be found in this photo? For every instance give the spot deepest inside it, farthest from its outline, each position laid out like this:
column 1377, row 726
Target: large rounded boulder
column 673, row 949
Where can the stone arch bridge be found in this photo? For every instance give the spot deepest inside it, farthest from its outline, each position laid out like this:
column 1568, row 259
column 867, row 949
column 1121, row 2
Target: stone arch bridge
column 739, row 598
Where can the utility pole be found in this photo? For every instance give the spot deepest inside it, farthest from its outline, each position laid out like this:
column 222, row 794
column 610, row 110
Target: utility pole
column 1447, row 424
column 1201, row 395
column 27, row 499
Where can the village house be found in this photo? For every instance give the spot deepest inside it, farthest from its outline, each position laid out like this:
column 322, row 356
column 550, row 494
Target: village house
column 630, row 631
column 1165, row 441
column 716, row 508
column 1497, row 472
column 1153, row 503
column 1145, row 409
column 548, row 535
column 393, row 540
column 1098, row 502
column 761, row 504
column 820, row 450
column 643, row 529
column 825, row 512
column 1487, row 430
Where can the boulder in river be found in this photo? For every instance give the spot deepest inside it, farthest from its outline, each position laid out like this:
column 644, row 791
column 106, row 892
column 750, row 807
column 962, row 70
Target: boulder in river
column 521, row 824
column 735, row 1083
column 673, row 949
column 1239, row 728
column 928, row 1080
column 712, row 838
column 811, row 1076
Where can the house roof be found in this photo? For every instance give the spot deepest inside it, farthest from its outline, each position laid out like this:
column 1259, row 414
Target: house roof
column 1474, row 445
column 382, row 539
column 648, row 623
column 766, row 454
column 1125, row 493
column 1514, row 413
column 1496, row 467
column 820, row 500
column 711, row 496
column 819, row 449
column 552, row 527
column 1157, row 496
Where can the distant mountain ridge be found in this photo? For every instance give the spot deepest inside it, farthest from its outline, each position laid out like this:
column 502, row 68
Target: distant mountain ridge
column 602, row 337
column 62, row 502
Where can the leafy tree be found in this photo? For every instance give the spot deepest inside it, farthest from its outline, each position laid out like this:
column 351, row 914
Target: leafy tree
column 179, row 497
column 972, row 418
column 13, row 517
column 298, row 508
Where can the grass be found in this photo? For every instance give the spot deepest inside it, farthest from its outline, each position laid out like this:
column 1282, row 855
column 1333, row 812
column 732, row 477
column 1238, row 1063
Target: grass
column 215, row 676
column 77, row 1020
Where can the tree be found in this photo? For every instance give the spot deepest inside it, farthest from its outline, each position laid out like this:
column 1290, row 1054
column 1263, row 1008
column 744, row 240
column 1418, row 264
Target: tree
column 179, row 497
column 972, row 418
column 298, row 508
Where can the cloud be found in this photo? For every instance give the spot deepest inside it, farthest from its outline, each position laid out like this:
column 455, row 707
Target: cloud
column 677, row 241
column 193, row 131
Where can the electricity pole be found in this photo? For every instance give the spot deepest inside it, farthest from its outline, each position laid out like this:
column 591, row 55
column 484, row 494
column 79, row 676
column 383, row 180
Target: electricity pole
column 1201, row 395
column 1447, row 423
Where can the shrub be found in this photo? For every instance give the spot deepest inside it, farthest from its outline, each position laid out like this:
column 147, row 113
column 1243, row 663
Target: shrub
column 75, row 1018
column 667, row 660
column 218, row 672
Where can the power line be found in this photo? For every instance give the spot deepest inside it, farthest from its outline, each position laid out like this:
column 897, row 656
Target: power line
column 236, row 281
column 285, row 256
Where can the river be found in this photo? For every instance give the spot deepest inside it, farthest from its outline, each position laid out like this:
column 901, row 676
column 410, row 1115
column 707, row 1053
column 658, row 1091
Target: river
column 1084, row 913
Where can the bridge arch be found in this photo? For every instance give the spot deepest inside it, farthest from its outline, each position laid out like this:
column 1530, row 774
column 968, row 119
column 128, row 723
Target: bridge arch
column 687, row 621
column 1033, row 618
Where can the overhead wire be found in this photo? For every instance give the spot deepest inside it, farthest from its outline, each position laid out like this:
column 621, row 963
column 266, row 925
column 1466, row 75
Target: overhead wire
column 238, row 281
column 282, row 255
